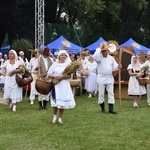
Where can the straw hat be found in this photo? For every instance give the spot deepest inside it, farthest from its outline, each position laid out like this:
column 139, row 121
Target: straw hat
column 112, row 46
column 36, row 51
column 105, row 47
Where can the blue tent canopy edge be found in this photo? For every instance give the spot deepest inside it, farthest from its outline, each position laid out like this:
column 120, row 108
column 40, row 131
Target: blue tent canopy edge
column 5, row 49
column 63, row 43
column 95, row 45
column 136, row 46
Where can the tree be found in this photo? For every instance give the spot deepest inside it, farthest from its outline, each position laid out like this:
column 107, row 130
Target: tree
column 113, row 20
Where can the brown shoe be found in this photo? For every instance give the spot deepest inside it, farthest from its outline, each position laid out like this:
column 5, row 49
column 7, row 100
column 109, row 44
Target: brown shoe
column 54, row 121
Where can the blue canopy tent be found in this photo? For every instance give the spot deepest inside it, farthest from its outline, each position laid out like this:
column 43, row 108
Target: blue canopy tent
column 136, row 46
column 62, row 43
column 5, row 49
column 95, row 45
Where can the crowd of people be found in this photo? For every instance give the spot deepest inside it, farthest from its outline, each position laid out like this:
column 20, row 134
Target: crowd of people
column 96, row 74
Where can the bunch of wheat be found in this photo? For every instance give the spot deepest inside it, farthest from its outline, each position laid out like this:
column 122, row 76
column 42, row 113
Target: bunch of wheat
column 144, row 69
column 21, row 68
column 69, row 70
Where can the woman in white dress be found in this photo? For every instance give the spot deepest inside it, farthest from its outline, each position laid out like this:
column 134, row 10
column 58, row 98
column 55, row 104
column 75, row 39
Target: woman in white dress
column 12, row 91
column 91, row 78
column 134, row 88
column 62, row 96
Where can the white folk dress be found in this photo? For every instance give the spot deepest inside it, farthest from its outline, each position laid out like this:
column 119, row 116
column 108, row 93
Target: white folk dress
column 64, row 98
column 91, row 79
column 134, row 88
column 11, row 89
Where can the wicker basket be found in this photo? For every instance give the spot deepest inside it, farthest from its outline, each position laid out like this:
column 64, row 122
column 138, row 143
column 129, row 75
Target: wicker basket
column 85, row 72
column 114, row 73
column 75, row 83
column 143, row 81
column 25, row 80
column 43, row 87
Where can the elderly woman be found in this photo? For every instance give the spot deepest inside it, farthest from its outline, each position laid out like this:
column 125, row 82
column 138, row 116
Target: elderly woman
column 12, row 91
column 61, row 96
column 91, row 80
column 134, row 88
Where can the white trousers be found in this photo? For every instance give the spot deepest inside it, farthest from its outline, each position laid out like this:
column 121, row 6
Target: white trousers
column 110, row 90
column 43, row 97
column 33, row 91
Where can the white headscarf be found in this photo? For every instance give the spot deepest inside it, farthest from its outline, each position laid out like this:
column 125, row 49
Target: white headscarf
column 61, row 52
column 64, row 51
column 16, row 56
column 133, row 58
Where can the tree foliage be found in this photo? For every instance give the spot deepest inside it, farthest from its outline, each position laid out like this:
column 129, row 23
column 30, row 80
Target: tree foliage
column 112, row 19
column 80, row 21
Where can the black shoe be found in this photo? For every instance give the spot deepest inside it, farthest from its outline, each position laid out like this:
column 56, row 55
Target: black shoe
column 40, row 106
column 102, row 105
column 111, row 109
column 45, row 104
column 112, row 112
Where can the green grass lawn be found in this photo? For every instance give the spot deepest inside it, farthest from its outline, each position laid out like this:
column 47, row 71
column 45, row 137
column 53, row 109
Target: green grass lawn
column 84, row 128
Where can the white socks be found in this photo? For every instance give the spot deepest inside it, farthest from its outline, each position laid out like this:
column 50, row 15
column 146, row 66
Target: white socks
column 60, row 120
column 135, row 104
column 54, row 117
column 14, row 108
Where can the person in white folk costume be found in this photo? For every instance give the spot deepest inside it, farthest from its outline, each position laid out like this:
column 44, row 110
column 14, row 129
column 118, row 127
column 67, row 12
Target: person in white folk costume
column 44, row 63
column 134, row 88
column 91, row 79
column 147, row 63
column 23, row 59
column 106, row 65
column 62, row 95
column 32, row 65
column 83, row 61
column 1, row 60
column 12, row 91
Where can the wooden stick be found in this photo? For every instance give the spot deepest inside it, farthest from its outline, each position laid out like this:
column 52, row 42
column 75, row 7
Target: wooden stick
column 39, row 71
column 26, row 91
column 119, row 80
